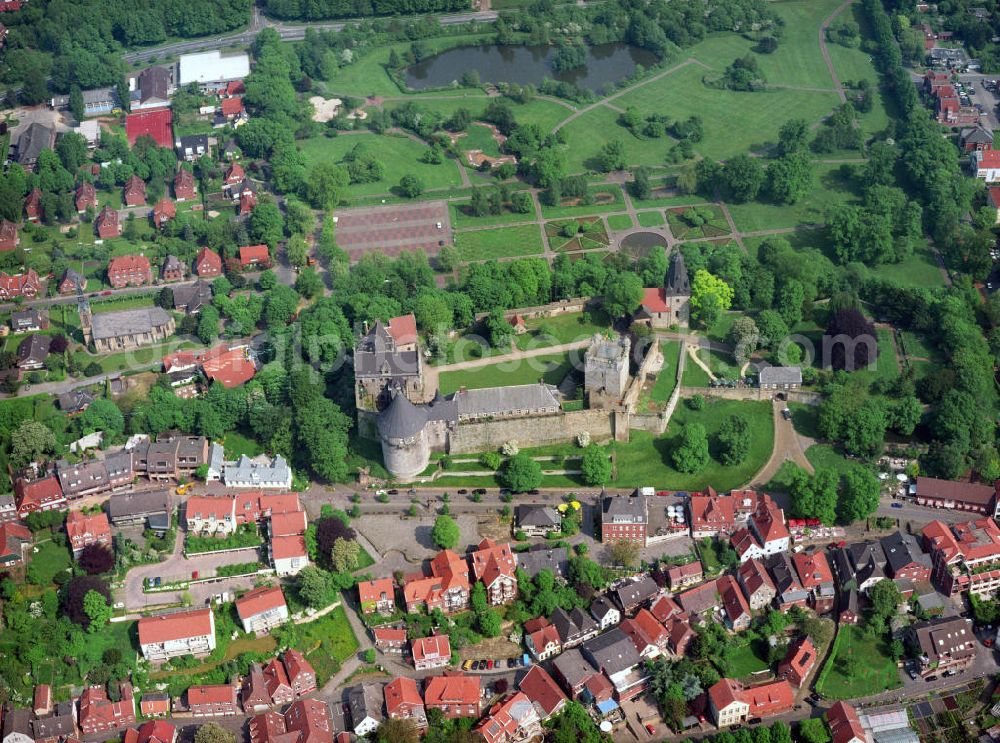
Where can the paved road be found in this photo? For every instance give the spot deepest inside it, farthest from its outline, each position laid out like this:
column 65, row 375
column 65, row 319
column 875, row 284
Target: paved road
column 288, row 32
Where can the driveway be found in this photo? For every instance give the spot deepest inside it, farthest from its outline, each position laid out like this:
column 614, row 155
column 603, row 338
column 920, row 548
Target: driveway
column 786, row 446
column 178, row 567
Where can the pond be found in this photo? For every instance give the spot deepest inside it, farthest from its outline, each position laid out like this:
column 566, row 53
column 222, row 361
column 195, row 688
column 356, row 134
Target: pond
column 606, row 63
column 640, row 243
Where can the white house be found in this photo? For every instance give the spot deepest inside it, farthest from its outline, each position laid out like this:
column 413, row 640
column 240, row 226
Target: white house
column 288, row 554
column 168, row 636
column 262, row 609
column 365, row 703
column 249, row 473
column 986, row 165
column 605, row 612
column 726, row 703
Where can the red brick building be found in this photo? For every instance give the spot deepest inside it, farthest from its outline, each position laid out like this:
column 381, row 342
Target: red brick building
column 26, row 285
column 184, row 187
column 624, row 518
column 155, row 704
column 799, row 662
column 33, row 205
column 86, row 195
column 107, row 224
column 39, row 495
column 213, row 700
column 163, row 212
column 454, row 694
column 377, row 596
column 84, row 530
column 402, row 701
column 254, row 256
column 129, row 270
column 207, row 263
column 8, row 236
column 135, row 191
column 98, row 714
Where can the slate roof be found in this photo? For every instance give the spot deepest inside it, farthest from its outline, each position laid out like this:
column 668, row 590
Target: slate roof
column 572, row 624
column 613, row 651
column 533, row 562
column 541, row 516
column 573, row 666
column 505, row 400
column 125, row 505
column 33, row 140
column 781, row 375
column 401, row 419
column 903, row 549
column 677, row 284
column 34, row 348
column 128, row 322
column 194, row 296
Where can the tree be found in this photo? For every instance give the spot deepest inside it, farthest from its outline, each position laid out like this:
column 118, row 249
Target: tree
column 793, row 136
column 345, row 555
column 859, row 495
column 611, row 156
column 710, row 297
column 814, row 496
column 790, row 178
column 313, row 586
column 103, row 415
column 691, row 453
column 31, row 442
column 490, row 624
column 520, row 473
column 640, row 186
column 411, row 186
column 734, row 440
column 97, row 609
column 624, row 552
column 266, row 224
column 213, row 733
column 208, row 324
column 744, row 335
column 595, row 466
column 74, row 592
column 853, row 341
column 885, row 599
column 76, row 103
column 309, row 284
column 622, row 294
column 325, row 185
column 397, row 730
column 445, row 533
column 279, row 306
column 743, row 177
column 96, row 559
column 813, row 730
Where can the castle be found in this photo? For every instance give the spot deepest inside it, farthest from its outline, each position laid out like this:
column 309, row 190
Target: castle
column 399, row 404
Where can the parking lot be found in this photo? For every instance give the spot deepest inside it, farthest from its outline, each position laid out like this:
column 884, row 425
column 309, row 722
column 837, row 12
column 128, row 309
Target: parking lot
column 974, row 91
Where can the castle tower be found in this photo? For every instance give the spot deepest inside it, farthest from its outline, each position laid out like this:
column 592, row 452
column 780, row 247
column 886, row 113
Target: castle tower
column 383, row 362
column 677, row 289
column 606, row 369
column 402, row 427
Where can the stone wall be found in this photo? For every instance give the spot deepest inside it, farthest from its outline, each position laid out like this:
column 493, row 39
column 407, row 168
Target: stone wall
column 540, row 431
column 653, row 422
column 553, row 309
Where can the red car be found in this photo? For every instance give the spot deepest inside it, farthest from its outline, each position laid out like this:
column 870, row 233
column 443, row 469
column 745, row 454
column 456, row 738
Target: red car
column 663, row 493
column 650, row 729
column 106, row 293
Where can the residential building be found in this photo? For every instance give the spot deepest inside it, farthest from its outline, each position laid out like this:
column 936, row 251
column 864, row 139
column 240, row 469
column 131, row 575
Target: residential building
column 975, row 138
column 986, row 165
column 816, row 578
column 605, row 612
column 365, row 703
column 107, row 224
column 665, row 608
column 714, row 515
column 537, row 521
column 788, row 587
column 38, row 495
column 700, row 599
column 191, row 147
column 190, row 298
column 847, row 608
column 163, row 212
column 135, row 191
column 799, row 662
column 55, row 724
column 447, row 588
column 262, row 609
column 86, row 196
column 540, row 557
column 648, row 635
column 85, row 530
column 431, row 652
column 630, row 596
column 845, row 725
column 207, row 263
column 151, row 89
column 614, row 654
column 30, row 143
column 148, row 506
column 254, row 695
column 213, row 700
column 71, row 282
column 731, row 703
column 453, row 694
column 152, row 731
column 860, row 565
column 29, row 321
column 389, row 639
column 765, row 533
column 758, row 588
column 574, row 627
column 15, row 539
column 904, row 558
column 945, row 644
column 513, row 719
column 543, row 692
column 155, row 704
column 680, row 577
column 403, row 701
column 33, row 205
column 129, row 270
column 305, row 721
column 98, row 714
column 965, row 556
column 26, row 285
column 735, row 609
column 166, row 636
column 679, row 634
column 33, row 351
column 16, row 726
column 9, row 239
column 8, row 509
column 624, row 518
column 542, row 639
column 377, row 596
column 254, row 255
column 959, row 496
column 288, row 554
column 783, row 379
column 494, row 565
column 184, row 186
column 573, row 670
column 232, row 369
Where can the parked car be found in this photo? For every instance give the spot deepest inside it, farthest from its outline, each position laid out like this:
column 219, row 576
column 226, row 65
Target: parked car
column 786, row 414
column 897, row 505
column 534, row 491
column 463, row 491
column 394, row 492
column 479, row 491
column 650, row 729
column 511, row 662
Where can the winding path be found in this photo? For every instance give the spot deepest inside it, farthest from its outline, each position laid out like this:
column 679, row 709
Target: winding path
column 826, row 52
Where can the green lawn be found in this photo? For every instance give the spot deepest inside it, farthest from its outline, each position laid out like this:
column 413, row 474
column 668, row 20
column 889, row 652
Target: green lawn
column 645, row 460
column 829, row 190
column 684, row 94
column 123, row 302
column 479, row 137
column 400, row 155
column 920, row 270
column 50, row 559
column 593, row 235
column 714, row 224
column 797, row 60
column 327, row 642
column 857, row 666
column 824, row 455
column 237, row 444
column 462, row 216
column 723, row 365
column 139, row 358
column 573, row 326
column 552, row 368
column 503, row 242
column 650, row 219
column 745, row 661
column 621, row 222
column 918, row 346
column 666, row 379
column 588, row 133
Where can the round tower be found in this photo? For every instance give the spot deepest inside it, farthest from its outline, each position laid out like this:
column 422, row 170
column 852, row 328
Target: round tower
column 401, row 429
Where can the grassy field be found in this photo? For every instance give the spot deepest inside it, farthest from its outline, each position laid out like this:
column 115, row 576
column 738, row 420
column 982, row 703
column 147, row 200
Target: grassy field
column 829, row 190
column 745, row 660
column 50, row 559
column 327, row 642
column 666, row 379
column 645, row 460
column 462, row 216
column 573, row 326
column 620, row 222
column 858, row 666
column 140, row 357
column 238, row 444
column 920, row 269
column 797, row 60
column 723, row 365
column 592, row 236
column 503, row 242
column 604, row 199
column 552, row 368
column 600, row 125
column 715, row 224
column 479, row 137
column 400, row 156
column 824, row 455
column 650, row 219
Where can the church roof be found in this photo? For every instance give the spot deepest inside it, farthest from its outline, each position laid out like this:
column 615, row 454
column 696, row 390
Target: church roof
column 678, row 284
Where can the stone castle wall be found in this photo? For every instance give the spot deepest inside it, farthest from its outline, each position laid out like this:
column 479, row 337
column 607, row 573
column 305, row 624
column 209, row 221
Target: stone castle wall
column 539, row 431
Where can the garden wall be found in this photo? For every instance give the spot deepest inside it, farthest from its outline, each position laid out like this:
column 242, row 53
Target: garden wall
column 540, row 431
column 553, row 309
